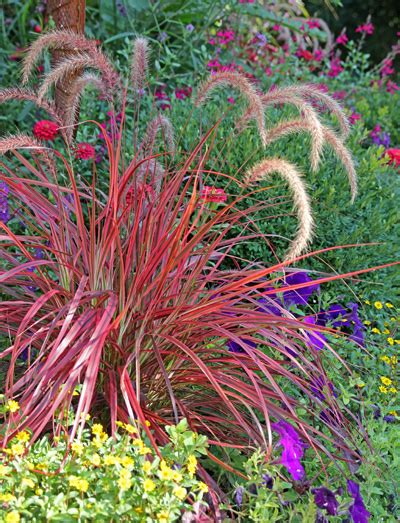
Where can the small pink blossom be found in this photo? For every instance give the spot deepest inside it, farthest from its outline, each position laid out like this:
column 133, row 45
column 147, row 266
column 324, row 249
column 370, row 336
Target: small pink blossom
column 391, row 87
column 318, row 55
column 366, row 28
column 183, row 92
column 231, row 100
column 342, row 39
column 268, row 71
column 387, row 68
column 335, row 67
column 225, row 36
column 339, row 95
column 354, row 117
column 313, row 24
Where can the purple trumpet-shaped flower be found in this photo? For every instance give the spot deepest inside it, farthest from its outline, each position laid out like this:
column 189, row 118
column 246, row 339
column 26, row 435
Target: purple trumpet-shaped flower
column 4, row 208
column 293, row 449
column 358, row 511
column 316, row 340
column 320, row 388
column 233, row 346
column 239, row 496
column 296, row 296
column 339, row 317
column 325, row 498
column 268, row 306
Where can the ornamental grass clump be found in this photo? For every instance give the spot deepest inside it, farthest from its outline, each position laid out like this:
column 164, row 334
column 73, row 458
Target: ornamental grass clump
column 119, row 288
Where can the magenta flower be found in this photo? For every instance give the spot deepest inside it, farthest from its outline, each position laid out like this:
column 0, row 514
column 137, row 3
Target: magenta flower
column 342, row 39
column 213, row 194
column 358, row 511
column 84, row 151
column 293, row 449
column 391, row 87
column 313, row 24
column 335, row 67
column 354, row 117
column 183, row 92
column 387, row 68
column 366, row 28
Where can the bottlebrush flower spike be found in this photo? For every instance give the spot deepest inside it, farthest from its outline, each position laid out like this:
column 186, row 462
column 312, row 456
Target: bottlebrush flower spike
column 241, row 83
column 300, row 197
column 16, row 93
column 140, row 64
column 163, row 124
column 18, row 141
column 65, row 40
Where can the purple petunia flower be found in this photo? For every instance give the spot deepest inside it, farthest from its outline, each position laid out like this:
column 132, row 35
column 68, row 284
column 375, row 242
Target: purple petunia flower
column 316, row 339
column 325, row 498
column 233, row 346
column 299, row 296
column 4, row 207
column 267, row 481
column 339, row 317
column 293, row 449
column 239, row 496
column 358, row 511
column 319, row 387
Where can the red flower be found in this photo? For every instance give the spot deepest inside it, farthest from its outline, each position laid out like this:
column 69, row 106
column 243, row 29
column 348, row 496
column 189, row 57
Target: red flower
column 354, row 117
column 303, row 53
column 213, row 194
column 183, row 92
column 84, row 151
column 37, row 29
column 394, row 156
column 45, row 130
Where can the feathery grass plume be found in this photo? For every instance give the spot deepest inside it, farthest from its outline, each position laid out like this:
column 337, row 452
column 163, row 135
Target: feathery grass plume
column 16, row 93
column 72, row 66
column 295, row 126
column 18, row 141
column 75, row 92
column 54, row 40
column 300, row 196
column 140, row 63
column 241, row 83
column 312, row 92
column 164, row 124
column 309, row 114
column 155, row 170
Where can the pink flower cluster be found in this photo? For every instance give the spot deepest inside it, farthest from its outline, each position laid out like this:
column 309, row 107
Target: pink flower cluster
column 223, row 37
column 183, row 92
column 366, row 28
column 342, row 38
column 162, row 97
column 335, row 67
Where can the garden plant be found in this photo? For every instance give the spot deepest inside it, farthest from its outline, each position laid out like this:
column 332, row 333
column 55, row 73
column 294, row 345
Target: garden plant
column 182, row 335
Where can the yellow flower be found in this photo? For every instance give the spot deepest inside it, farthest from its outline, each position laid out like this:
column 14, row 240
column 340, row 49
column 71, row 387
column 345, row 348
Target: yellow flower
column 393, row 413
column 177, row 476
column 383, row 389
column 387, row 331
column 165, row 474
column 393, row 360
column 390, row 341
column 393, row 390
column 163, row 516
column 180, row 493
column 367, row 302
column 95, row 460
column 3, row 470
column 397, row 342
column 77, row 448
column 203, row 487
column 110, row 460
column 130, row 428
column 12, row 517
column 119, row 424
column 378, row 305
column 148, row 485
column 389, row 305
column 79, row 484
column 39, row 491
column 124, row 483
column 97, row 429
column 386, row 359
column 385, row 380
column 12, row 406
column 192, row 465
column 87, row 417
column 126, row 461
column 137, row 443
column 144, row 450
column 147, row 423
column 41, row 466
column 7, row 497
column 367, row 322
column 17, row 449
column 27, row 482
column 375, row 330
column 29, row 465
column 23, row 436
column 146, row 467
